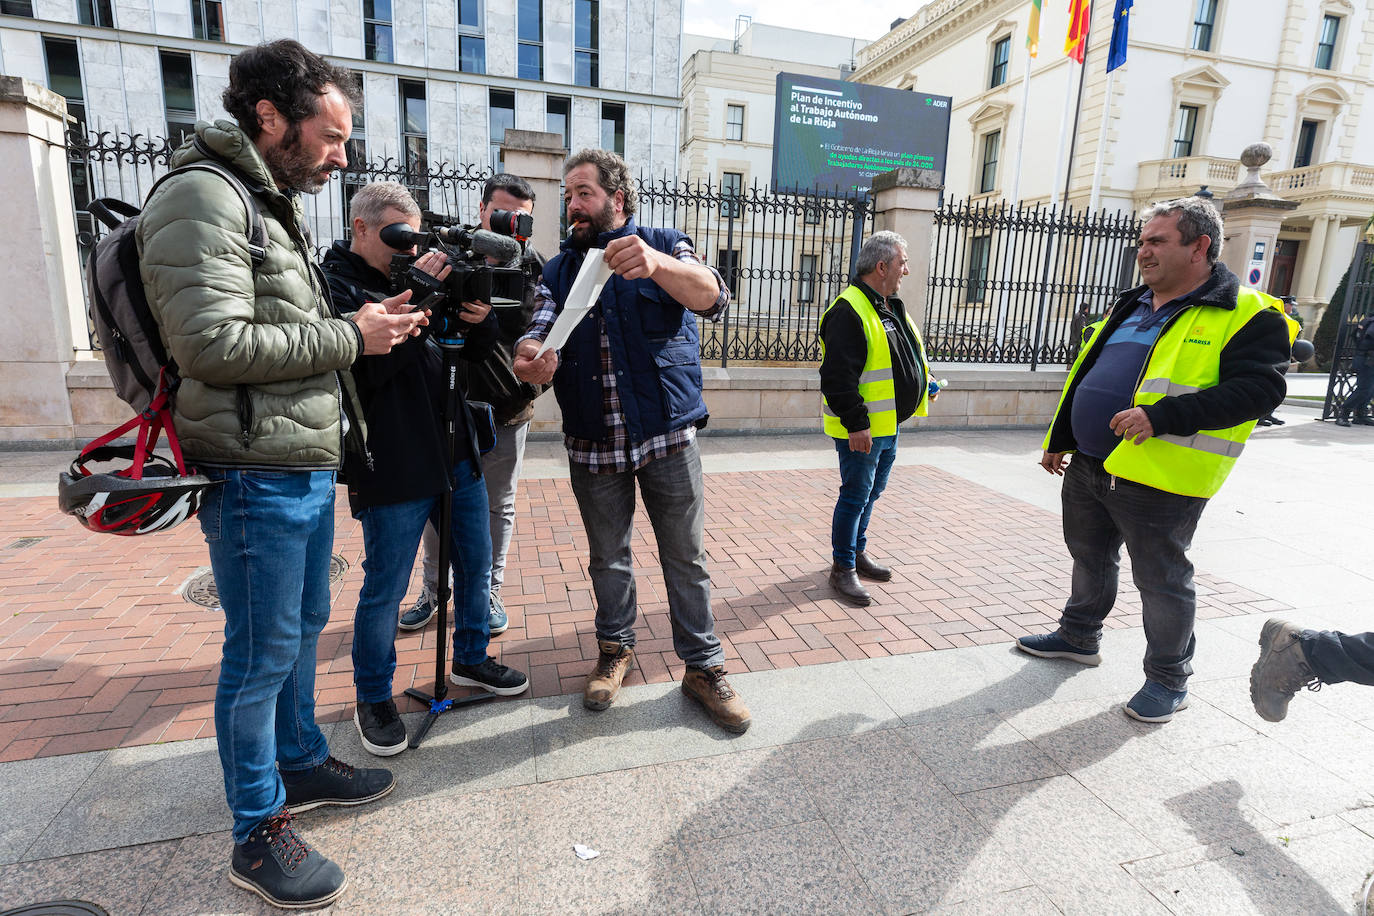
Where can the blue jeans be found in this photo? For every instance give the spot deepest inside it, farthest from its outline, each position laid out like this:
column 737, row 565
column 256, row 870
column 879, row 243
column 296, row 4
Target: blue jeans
column 863, row 477
column 391, row 534
column 1363, row 367
column 675, row 501
column 270, row 535
column 1100, row 514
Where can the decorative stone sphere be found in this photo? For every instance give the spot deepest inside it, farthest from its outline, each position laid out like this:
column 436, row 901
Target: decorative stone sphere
column 1256, row 155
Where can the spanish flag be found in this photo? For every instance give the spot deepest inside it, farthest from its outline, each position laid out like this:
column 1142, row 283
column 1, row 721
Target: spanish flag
column 1033, row 29
column 1076, row 44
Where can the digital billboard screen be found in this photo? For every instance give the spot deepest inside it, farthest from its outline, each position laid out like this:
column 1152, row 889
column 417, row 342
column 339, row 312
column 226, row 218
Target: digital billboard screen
column 831, row 137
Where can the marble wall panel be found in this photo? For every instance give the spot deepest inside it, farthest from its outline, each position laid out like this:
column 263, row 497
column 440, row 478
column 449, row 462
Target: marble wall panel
column 170, row 17
column 382, row 115
column 140, row 16
column 664, row 154
column 313, row 25
column 638, row 139
column 667, row 48
column 586, row 123
column 242, row 23
column 639, row 45
column 278, row 21
column 558, row 41
column 212, row 78
column 474, row 126
column 102, row 68
column 529, row 110
column 441, row 19
column 500, row 24
column 142, row 90
column 408, row 31
column 21, row 54
column 612, row 40
column 55, row 10
column 346, row 28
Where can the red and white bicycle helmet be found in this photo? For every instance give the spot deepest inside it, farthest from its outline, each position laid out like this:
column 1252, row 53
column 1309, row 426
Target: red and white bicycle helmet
column 149, row 494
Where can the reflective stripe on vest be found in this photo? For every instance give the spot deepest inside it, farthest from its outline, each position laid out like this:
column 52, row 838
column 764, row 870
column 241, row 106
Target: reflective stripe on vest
column 1186, row 359
column 876, row 385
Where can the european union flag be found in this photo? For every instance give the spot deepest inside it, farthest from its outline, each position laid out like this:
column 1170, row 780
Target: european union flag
column 1116, row 55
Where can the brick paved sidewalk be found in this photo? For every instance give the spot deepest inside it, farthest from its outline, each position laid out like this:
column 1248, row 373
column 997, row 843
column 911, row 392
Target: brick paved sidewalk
column 98, row 648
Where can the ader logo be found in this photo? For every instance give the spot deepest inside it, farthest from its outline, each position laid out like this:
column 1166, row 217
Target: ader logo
column 1195, row 336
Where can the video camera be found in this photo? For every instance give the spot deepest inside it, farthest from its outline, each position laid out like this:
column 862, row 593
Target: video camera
column 472, row 278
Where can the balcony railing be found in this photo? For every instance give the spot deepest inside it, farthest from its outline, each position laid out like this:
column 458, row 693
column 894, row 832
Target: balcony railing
column 1171, row 177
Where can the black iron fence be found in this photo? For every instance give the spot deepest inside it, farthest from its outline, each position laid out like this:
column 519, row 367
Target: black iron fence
column 1007, row 284
column 1358, row 304
column 1011, row 284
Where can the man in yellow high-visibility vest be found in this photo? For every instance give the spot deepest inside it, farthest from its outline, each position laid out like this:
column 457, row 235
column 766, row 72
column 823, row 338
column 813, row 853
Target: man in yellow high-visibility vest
column 874, row 375
column 1156, row 410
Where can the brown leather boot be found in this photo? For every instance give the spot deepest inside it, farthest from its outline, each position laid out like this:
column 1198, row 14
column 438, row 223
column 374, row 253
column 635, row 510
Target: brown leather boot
column 709, row 688
column 603, row 684
column 843, row 580
column 870, row 570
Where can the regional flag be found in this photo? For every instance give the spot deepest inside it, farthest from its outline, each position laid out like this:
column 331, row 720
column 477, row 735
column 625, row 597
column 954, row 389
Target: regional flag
column 1033, row 29
column 1076, row 44
column 1121, row 19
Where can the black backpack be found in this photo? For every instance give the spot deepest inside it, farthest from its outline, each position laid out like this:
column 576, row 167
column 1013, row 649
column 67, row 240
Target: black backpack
column 124, row 324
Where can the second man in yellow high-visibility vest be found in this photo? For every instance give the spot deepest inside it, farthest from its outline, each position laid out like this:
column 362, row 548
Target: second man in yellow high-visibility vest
column 874, row 375
column 1156, row 410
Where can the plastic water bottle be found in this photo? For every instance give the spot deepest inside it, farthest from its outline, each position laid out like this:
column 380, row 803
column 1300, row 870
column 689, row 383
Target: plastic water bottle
column 935, row 386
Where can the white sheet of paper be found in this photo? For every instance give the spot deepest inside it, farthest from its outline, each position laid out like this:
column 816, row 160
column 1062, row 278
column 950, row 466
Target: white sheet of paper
column 586, row 289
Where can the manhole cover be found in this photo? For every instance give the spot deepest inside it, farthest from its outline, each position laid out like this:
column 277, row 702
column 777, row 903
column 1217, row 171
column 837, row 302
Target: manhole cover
column 200, row 588
column 24, row 542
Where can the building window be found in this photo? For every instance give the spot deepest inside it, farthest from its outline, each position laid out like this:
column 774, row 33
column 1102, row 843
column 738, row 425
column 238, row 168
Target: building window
column 731, row 185
column 1307, row 144
column 979, row 252
column 64, row 76
column 586, row 42
column 415, row 138
column 472, row 41
column 1204, row 21
column 357, row 139
column 207, row 20
column 178, row 95
column 101, row 12
column 1187, row 127
column 1001, row 53
column 734, row 122
column 1326, row 47
column 17, row 8
column 501, row 104
column 727, row 262
column 558, row 118
column 377, row 30
column 812, row 214
column 613, row 127
column 530, row 32
column 992, row 144
column 806, row 279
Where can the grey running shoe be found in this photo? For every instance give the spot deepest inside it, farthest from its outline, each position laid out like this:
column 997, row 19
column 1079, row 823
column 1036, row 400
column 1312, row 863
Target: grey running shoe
column 1281, row 670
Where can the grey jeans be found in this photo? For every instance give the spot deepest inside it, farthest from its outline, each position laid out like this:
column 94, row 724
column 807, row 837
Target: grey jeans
column 675, row 501
column 1101, row 513
column 501, row 470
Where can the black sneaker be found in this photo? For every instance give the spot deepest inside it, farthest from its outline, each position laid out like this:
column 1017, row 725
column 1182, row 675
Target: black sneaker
column 491, row 676
column 335, row 783
column 281, row 868
column 380, row 727
column 418, row 616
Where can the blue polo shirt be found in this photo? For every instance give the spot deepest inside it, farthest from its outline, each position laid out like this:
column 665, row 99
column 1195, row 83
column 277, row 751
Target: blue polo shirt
column 1108, row 387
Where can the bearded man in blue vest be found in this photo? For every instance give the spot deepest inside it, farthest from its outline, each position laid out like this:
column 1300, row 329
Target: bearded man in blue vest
column 874, row 376
column 1156, row 410
column 628, row 383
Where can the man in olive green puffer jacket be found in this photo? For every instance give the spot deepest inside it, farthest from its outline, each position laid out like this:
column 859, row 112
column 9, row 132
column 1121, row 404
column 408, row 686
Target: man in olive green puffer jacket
column 265, row 406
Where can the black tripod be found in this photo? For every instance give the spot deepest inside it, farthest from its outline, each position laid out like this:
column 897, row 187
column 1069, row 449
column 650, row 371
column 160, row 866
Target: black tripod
column 439, row 702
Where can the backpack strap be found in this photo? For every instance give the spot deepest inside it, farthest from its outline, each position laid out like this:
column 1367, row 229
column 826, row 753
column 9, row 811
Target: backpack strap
column 257, row 227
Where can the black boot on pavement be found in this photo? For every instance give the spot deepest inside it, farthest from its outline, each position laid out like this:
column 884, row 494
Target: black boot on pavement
column 870, row 570
column 843, row 580
column 281, row 868
column 335, row 783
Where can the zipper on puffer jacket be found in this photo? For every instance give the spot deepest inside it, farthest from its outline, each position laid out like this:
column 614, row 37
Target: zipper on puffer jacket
column 245, row 411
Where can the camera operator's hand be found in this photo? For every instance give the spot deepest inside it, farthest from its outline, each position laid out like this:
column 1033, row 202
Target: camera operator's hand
column 434, row 263
column 387, row 323
column 474, row 312
column 532, row 369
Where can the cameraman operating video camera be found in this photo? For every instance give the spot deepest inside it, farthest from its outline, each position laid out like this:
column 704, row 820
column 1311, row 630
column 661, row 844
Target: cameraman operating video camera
column 493, row 380
column 395, row 493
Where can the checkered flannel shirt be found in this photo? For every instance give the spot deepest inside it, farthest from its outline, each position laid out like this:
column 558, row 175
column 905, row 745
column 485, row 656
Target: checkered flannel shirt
column 616, row 453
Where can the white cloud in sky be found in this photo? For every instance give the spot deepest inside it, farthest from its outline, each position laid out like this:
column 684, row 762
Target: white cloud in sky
column 865, row 19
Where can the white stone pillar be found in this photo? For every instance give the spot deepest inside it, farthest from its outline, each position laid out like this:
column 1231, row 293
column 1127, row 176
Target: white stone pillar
column 1313, row 254
column 43, row 301
column 1330, row 251
column 904, row 201
column 538, row 156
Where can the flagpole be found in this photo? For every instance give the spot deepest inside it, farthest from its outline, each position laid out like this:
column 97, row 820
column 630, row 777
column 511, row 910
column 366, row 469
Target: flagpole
column 1021, row 132
column 1078, row 111
column 1096, row 197
column 1063, row 133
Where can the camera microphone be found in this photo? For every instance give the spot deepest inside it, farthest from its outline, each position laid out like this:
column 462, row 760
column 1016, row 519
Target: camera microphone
column 500, row 248
column 401, row 237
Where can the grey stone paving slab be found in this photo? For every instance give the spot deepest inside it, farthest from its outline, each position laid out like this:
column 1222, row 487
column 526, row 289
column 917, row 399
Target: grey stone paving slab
column 1093, row 889
column 141, row 795
column 736, row 793
column 116, row 879
column 468, row 749
column 1081, row 733
column 658, row 883
column 979, row 752
column 1203, row 724
column 814, row 701
column 795, row 869
column 1315, row 867
column 193, row 881
column 1056, row 827
column 1024, row 901
column 1062, row 680
column 1279, row 782
column 452, row 854
column 1331, row 741
column 32, row 792
column 1221, row 654
column 951, row 684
